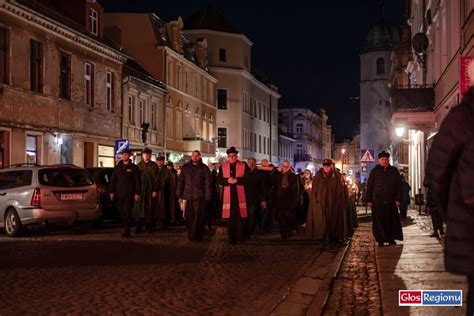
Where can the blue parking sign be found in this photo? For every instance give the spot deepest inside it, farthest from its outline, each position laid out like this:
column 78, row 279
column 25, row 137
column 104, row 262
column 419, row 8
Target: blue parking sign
column 120, row 145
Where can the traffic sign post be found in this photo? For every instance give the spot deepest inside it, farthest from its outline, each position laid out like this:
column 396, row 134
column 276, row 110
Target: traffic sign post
column 120, row 145
column 367, row 155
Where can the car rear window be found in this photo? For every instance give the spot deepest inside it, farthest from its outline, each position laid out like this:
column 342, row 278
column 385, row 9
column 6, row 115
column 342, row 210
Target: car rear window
column 62, row 177
column 15, row 179
column 101, row 176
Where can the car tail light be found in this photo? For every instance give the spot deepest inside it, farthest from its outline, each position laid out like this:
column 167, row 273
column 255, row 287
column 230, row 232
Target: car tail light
column 36, row 198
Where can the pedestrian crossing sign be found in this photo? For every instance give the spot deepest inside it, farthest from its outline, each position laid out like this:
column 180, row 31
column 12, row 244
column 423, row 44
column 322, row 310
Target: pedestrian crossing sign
column 367, row 155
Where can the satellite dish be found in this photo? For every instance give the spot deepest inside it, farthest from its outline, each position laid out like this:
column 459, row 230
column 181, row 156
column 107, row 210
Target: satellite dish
column 420, row 43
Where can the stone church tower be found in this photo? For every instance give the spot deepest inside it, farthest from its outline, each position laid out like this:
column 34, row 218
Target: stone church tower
column 375, row 111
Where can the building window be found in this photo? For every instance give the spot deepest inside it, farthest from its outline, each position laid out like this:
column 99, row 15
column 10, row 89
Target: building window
column 260, row 143
column 131, row 116
column 3, row 55
column 89, row 83
column 168, row 71
column 179, row 125
column 264, row 145
column 94, row 20
column 31, row 150
column 153, row 116
column 179, row 72
column 36, row 66
column 380, row 66
column 299, row 128
column 106, row 156
column 299, row 149
column 221, row 99
column 169, row 123
column 222, row 137
column 65, row 75
column 222, row 54
column 142, row 109
column 109, row 87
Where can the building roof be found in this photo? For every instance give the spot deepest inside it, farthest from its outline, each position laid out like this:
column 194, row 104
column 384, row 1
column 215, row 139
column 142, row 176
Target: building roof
column 208, row 19
column 381, row 36
column 132, row 68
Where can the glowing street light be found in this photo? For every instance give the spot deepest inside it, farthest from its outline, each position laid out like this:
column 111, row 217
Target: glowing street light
column 400, row 131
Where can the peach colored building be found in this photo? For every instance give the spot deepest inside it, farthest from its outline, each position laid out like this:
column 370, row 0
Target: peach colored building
column 59, row 84
column 190, row 104
column 247, row 104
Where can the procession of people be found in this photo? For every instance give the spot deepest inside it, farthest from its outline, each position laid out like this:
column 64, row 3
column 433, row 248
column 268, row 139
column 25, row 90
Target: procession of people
column 251, row 199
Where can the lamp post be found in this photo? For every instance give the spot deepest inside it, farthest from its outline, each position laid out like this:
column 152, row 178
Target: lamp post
column 343, row 151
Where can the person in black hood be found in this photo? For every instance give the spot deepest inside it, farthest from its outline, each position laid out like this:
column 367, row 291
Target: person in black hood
column 195, row 190
column 384, row 196
column 450, row 170
column 125, row 187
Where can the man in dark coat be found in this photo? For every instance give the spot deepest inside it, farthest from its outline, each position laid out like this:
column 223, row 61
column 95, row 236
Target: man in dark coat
column 256, row 196
column 406, row 188
column 436, row 219
column 384, row 195
column 450, row 171
column 233, row 176
column 173, row 184
column 266, row 170
column 327, row 218
column 195, row 189
column 125, row 187
column 145, row 209
column 285, row 192
column 166, row 196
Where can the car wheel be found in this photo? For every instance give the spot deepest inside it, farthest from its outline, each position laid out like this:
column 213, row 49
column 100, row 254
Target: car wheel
column 13, row 226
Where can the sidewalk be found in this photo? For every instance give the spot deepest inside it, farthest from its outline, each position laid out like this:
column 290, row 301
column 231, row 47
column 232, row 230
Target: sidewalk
column 417, row 263
column 364, row 279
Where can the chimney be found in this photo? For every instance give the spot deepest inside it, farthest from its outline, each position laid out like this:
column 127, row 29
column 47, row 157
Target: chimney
column 174, row 30
column 201, row 52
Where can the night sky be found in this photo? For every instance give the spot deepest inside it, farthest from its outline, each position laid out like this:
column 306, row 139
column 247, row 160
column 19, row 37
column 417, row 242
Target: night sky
column 310, row 50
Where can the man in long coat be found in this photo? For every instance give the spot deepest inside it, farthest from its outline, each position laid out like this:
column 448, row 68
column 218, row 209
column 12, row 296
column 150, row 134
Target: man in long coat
column 145, row 209
column 450, row 172
column 166, row 196
column 125, row 188
column 233, row 176
column 326, row 212
column 384, row 196
column 195, row 189
column 285, row 196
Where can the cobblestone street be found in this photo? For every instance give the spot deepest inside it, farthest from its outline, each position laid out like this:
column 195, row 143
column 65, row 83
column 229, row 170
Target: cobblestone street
column 162, row 273
column 370, row 277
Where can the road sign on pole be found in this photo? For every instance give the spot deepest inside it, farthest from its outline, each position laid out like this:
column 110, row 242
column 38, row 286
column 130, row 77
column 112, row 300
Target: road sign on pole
column 367, row 155
column 120, row 145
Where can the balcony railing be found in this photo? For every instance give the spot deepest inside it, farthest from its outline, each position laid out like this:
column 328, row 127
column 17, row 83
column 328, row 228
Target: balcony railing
column 412, row 99
column 303, row 157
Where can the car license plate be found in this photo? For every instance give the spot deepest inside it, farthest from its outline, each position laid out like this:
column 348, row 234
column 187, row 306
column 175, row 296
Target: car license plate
column 71, row 196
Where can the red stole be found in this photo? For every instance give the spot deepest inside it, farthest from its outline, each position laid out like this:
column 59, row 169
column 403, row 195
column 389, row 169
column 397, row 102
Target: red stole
column 239, row 173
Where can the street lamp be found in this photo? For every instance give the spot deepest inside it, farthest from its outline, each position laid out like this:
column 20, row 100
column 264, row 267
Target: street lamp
column 343, row 151
column 400, row 131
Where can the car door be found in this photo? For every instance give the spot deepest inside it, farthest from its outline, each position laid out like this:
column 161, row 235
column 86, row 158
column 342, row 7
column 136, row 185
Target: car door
column 15, row 188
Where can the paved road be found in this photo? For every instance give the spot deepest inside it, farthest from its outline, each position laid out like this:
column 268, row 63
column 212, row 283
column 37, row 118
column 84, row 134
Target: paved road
column 162, row 273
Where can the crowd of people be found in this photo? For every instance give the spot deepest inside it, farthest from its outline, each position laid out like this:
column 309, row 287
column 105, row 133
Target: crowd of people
column 248, row 197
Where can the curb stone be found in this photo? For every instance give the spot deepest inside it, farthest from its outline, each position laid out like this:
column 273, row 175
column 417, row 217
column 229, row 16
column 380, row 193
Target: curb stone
column 311, row 291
